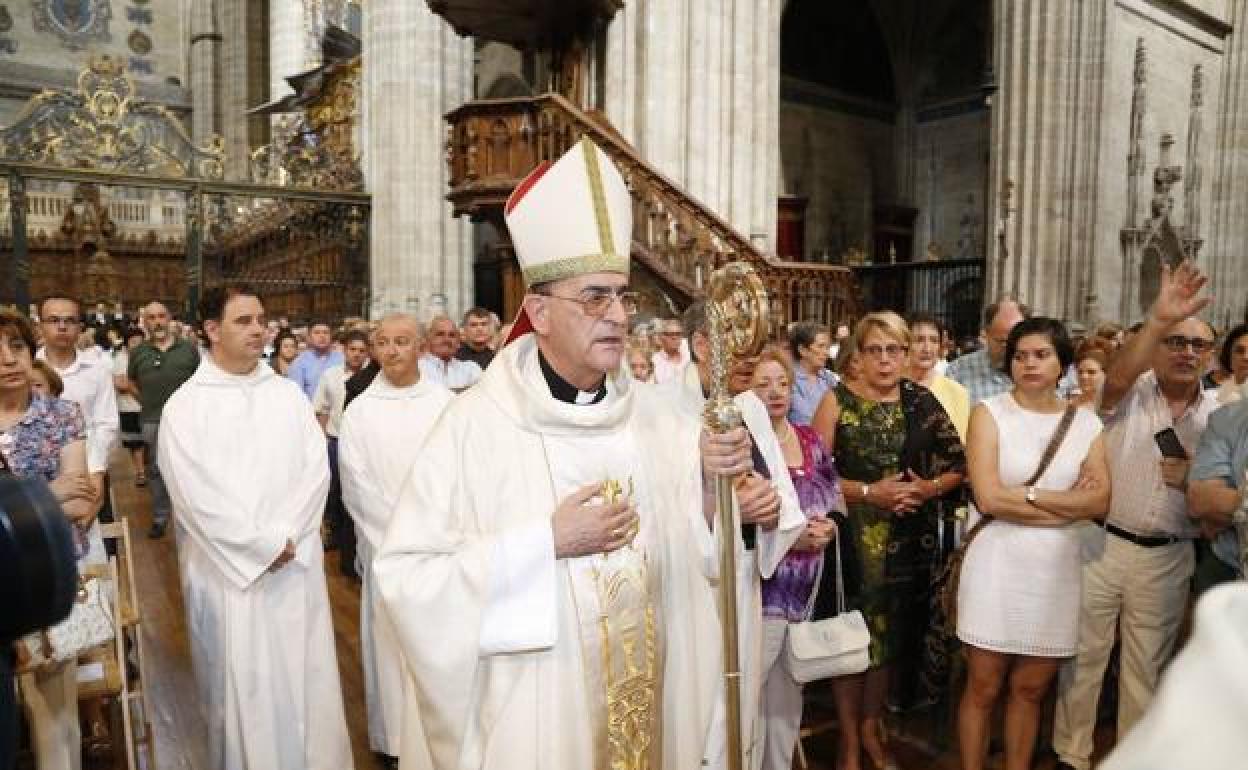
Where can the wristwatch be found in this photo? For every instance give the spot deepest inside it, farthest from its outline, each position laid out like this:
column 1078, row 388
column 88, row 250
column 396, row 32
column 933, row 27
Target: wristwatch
column 1031, row 495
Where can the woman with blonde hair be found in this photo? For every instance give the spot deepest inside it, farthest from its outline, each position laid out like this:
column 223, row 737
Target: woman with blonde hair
column 796, row 582
column 899, row 456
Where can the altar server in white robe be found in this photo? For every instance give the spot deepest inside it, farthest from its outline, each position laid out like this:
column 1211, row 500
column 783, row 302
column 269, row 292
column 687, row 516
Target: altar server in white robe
column 245, row 462
column 549, row 566
column 760, row 546
column 381, row 433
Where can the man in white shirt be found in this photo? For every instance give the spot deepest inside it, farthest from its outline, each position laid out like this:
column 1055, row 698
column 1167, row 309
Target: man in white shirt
column 381, row 435
column 88, row 383
column 673, row 356
column 328, row 403
column 440, row 364
column 245, row 464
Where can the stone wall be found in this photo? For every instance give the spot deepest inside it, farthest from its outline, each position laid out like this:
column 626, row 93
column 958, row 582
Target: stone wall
column 951, row 169
column 840, row 161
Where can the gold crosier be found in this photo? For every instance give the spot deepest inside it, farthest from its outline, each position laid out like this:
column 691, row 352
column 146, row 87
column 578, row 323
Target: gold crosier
column 629, row 656
column 737, row 313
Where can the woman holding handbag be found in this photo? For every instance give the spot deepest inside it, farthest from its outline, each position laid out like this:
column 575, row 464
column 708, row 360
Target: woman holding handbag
column 1037, row 465
column 899, row 456
column 787, row 593
column 45, row 438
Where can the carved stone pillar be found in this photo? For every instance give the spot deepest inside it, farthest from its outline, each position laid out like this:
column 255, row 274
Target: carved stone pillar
column 205, row 48
column 232, row 18
column 1045, row 142
column 719, row 61
column 415, row 70
column 287, row 44
column 1227, row 240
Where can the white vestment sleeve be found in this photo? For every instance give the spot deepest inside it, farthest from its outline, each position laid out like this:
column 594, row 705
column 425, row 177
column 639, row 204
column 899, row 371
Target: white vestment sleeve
column 521, row 614
column 361, row 488
column 103, row 421
column 212, row 510
column 306, row 502
column 771, row 546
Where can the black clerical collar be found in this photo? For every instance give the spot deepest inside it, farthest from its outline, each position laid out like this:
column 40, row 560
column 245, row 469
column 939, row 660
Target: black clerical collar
column 566, row 391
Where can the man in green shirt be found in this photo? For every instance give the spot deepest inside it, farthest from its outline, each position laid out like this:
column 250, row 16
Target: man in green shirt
column 157, row 368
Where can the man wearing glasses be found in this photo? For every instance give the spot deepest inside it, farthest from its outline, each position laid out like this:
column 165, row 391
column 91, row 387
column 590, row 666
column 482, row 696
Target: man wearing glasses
column 983, row 373
column 88, row 383
column 672, row 357
column 554, row 525
column 1138, row 583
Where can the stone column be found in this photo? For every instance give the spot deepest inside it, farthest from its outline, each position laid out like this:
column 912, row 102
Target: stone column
column 205, row 45
column 1045, row 141
column 694, row 86
column 415, row 70
column 233, row 87
column 1225, row 254
column 287, row 44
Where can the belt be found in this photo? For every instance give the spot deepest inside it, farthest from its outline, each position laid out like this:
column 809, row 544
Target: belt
column 1146, row 541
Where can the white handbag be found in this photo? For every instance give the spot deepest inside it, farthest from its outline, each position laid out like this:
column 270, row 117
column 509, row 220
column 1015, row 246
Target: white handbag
column 90, row 623
column 835, row 646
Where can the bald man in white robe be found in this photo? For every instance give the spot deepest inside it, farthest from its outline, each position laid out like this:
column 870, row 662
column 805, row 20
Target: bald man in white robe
column 380, row 435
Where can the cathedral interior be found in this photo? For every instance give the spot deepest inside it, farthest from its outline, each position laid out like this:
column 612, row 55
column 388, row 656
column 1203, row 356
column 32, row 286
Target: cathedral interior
column 351, row 158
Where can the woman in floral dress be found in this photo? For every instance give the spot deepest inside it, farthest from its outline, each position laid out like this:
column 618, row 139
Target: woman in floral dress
column 899, row 456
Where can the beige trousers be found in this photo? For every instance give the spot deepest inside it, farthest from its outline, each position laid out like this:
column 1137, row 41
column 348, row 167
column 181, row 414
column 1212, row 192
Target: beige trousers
column 780, row 712
column 1142, row 593
column 51, row 701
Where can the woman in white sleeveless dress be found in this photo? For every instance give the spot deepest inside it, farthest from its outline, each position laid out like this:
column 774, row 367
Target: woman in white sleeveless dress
column 1018, row 597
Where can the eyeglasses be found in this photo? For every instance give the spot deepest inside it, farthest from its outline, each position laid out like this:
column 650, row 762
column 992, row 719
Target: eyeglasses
column 597, row 301
column 1177, row 343
column 60, row 320
column 880, row 351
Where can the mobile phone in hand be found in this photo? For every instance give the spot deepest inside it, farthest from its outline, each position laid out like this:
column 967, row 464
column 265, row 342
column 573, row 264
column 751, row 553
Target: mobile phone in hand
column 1169, row 444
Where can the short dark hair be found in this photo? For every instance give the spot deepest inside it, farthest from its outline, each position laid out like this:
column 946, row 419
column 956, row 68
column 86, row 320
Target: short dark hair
column 14, row 322
column 63, row 298
column 802, row 335
column 355, row 335
column 132, row 332
column 315, row 322
column 991, row 311
column 927, row 319
column 56, row 385
column 1052, row 328
column 477, row 312
column 1228, row 344
column 212, row 303
column 694, row 321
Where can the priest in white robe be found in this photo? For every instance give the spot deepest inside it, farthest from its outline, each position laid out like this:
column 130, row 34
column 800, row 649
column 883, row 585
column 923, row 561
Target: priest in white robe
column 549, row 566
column 380, row 435
column 245, row 462
column 767, row 546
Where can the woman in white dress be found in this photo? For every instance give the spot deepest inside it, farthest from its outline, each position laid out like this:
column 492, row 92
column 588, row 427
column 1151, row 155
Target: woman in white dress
column 1018, row 597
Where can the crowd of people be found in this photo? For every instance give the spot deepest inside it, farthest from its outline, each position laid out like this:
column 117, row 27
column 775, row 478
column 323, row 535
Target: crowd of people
column 529, row 511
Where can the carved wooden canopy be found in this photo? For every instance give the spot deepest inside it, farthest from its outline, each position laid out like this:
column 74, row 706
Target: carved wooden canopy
column 105, row 126
column 526, row 23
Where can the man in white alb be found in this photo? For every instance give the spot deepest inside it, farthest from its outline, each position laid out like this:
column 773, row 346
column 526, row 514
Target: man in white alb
column 244, row 460
column 380, row 435
column 554, row 525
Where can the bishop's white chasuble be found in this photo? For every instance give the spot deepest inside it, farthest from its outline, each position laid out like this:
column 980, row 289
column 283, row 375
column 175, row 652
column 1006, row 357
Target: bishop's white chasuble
column 523, row 662
column 246, row 467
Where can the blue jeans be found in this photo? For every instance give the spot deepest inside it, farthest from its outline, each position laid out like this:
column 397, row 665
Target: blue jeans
column 160, row 495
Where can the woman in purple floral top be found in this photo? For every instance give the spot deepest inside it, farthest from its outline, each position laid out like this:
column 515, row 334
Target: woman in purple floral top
column 787, row 594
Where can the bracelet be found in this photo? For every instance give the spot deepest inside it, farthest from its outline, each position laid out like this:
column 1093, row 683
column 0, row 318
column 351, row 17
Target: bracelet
column 866, row 491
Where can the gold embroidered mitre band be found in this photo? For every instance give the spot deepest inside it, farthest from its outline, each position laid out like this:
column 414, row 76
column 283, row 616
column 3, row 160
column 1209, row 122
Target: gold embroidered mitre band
column 571, row 218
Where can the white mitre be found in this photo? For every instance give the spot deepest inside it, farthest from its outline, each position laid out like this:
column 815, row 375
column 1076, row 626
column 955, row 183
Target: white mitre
column 571, row 218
